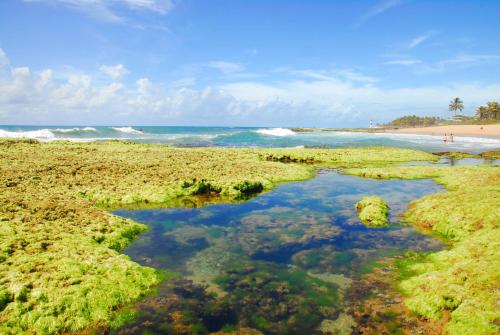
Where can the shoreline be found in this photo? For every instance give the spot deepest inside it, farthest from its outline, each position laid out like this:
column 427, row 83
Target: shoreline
column 491, row 131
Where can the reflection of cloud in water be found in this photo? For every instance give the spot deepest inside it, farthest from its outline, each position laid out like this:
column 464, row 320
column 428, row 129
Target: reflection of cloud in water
column 309, row 226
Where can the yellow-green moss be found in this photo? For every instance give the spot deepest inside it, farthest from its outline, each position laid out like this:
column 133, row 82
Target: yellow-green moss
column 60, row 266
column 456, row 154
column 372, row 211
column 464, row 279
column 490, row 154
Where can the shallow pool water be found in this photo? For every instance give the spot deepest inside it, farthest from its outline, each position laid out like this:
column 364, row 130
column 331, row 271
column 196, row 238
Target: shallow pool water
column 281, row 263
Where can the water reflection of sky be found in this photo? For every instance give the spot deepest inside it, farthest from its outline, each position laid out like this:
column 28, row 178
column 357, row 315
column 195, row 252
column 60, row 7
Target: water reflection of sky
column 280, row 263
column 292, row 218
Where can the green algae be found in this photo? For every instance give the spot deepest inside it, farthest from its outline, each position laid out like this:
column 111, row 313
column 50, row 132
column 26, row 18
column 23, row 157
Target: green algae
column 490, row 154
column 463, row 280
column 457, row 154
column 60, row 264
column 277, row 299
column 373, row 211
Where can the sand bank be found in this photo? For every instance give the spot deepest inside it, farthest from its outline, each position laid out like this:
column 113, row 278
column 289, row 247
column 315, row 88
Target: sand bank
column 490, row 130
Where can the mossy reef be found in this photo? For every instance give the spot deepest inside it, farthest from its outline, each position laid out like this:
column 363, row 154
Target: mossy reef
column 463, row 280
column 373, row 211
column 61, row 269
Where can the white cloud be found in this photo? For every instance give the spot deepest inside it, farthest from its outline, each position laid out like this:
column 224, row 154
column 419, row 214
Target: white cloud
column 225, row 67
column 378, row 9
column 4, row 61
column 471, row 59
column 418, row 40
column 304, row 97
column 330, row 75
column 114, row 71
column 105, row 10
column 159, row 6
column 458, row 61
column 405, row 62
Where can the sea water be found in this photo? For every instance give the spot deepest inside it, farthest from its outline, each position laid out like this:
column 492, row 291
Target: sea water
column 282, row 263
column 248, row 137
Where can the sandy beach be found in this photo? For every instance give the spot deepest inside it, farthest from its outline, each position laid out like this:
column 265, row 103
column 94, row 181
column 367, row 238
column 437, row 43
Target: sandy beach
column 491, row 130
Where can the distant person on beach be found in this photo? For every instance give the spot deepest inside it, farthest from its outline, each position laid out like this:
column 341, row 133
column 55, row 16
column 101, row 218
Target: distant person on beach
column 445, row 138
column 451, row 137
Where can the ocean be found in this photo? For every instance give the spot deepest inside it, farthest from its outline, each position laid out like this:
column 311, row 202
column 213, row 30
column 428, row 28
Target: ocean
column 247, row 137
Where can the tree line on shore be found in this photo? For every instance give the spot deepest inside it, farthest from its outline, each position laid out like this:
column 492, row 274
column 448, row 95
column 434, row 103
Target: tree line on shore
column 488, row 112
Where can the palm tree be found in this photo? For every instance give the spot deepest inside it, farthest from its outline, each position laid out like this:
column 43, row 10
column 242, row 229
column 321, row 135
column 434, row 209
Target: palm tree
column 482, row 113
column 493, row 109
column 456, row 104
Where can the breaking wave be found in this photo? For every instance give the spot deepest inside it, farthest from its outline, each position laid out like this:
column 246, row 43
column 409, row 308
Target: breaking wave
column 42, row 134
column 276, row 132
column 127, row 130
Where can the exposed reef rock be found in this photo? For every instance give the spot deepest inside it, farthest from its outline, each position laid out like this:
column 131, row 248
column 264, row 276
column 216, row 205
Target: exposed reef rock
column 373, row 211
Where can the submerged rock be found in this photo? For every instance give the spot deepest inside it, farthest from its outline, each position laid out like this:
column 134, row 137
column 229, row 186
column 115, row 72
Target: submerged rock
column 373, row 211
column 343, row 325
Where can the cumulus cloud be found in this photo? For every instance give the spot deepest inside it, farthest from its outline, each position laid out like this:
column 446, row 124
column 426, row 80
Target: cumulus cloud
column 114, row 71
column 303, row 98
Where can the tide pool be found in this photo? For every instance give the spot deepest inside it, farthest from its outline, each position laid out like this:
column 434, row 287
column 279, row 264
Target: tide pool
column 285, row 262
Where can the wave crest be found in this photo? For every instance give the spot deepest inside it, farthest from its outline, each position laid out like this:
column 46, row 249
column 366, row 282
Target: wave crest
column 42, row 134
column 276, row 132
column 127, row 130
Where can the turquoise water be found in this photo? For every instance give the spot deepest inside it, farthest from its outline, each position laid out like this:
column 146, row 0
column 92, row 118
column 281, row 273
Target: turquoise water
column 282, row 263
column 248, row 137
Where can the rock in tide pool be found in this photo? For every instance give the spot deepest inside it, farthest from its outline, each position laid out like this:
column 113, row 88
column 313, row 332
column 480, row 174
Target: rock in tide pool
column 373, row 211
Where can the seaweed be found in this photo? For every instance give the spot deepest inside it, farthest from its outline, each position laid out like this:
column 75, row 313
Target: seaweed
column 463, row 280
column 373, row 211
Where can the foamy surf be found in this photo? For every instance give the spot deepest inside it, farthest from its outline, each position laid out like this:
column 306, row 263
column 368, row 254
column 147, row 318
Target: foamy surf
column 42, row 134
column 74, row 130
column 127, row 130
column 276, row 132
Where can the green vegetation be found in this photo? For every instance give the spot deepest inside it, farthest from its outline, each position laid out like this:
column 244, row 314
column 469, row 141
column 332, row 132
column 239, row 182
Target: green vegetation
column 60, row 264
column 415, row 121
column 372, row 211
column 490, row 154
column 465, row 278
column 456, row 105
column 491, row 111
column 456, row 154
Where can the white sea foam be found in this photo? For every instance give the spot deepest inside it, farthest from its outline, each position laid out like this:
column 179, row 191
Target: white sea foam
column 73, row 130
column 127, row 130
column 276, row 132
column 66, row 130
column 42, row 134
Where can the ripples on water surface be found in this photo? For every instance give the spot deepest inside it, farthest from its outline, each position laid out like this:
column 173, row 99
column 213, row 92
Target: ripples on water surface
column 282, row 262
column 250, row 137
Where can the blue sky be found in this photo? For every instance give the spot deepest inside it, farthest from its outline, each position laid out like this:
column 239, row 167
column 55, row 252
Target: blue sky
column 262, row 63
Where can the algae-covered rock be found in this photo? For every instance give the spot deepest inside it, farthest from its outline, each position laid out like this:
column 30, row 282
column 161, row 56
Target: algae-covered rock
column 238, row 331
column 456, row 154
column 490, row 154
column 373, row 211
column 343, row 325
column 58, row 242
column 462, row 280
